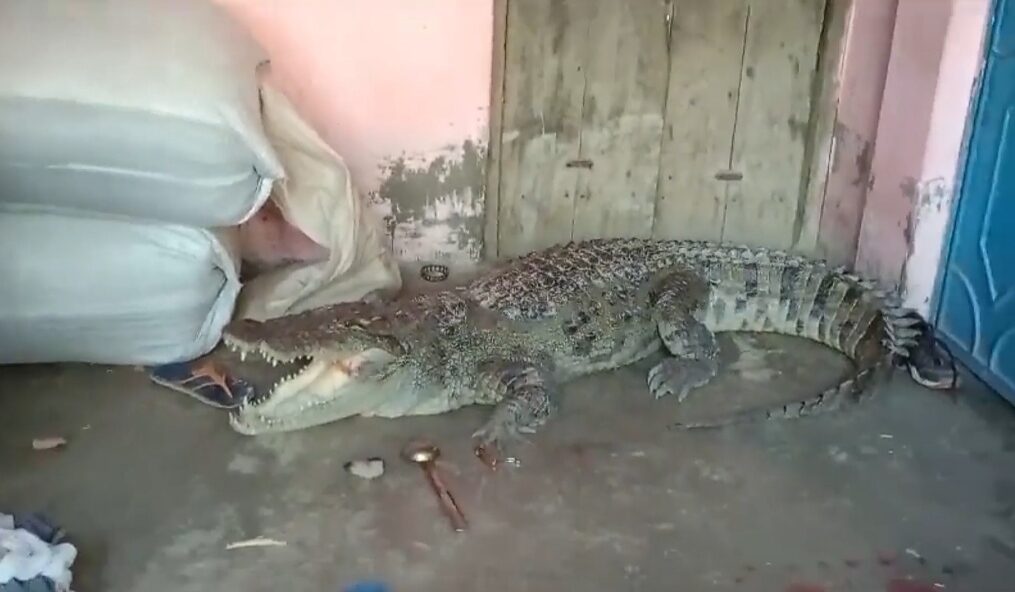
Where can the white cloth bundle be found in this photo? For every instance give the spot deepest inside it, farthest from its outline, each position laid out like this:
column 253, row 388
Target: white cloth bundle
column 24, row 557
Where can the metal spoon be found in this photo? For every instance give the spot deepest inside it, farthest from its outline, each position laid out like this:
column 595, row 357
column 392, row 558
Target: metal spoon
column 425, row 454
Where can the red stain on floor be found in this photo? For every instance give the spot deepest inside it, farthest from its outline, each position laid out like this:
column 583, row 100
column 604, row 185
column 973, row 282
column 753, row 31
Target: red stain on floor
column 805, row 587
column 910, row 586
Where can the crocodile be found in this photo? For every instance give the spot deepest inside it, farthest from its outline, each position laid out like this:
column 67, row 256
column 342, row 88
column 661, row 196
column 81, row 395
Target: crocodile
column 512, row 336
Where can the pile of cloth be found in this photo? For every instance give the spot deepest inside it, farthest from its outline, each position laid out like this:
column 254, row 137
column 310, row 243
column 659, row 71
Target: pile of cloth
column 34, row 556
column 138, row 139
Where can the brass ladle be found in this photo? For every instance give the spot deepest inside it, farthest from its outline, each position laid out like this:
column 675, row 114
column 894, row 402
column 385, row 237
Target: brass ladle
column 425, row 454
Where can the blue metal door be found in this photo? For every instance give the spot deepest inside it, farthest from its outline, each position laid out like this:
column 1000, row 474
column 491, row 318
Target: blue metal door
column 976, row 307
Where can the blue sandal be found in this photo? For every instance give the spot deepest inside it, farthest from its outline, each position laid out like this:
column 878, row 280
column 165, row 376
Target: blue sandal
column 205, row 381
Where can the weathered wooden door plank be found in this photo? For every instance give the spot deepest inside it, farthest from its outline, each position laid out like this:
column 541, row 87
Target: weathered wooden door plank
column 542, row 117
column 773, row 112
column 706, row 57
column 620, row 122
column 622, row 117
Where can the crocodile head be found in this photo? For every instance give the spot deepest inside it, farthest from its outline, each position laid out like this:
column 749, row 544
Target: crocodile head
column 337, row 362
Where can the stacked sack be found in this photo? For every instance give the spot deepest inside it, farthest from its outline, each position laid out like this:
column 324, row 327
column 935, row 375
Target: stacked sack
column 131, row 145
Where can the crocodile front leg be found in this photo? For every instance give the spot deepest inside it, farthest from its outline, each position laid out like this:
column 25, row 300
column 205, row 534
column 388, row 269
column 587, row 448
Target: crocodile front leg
column 527, row 400
column 678, row 298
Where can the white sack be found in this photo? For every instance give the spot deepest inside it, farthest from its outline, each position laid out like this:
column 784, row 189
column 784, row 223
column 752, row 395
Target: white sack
column 81, row 289
column 140, row 108
column 318, row 198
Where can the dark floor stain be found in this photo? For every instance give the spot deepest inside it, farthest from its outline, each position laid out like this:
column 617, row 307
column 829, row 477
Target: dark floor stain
column 887, row 557
column 587, row 454
column 805, row 587
column 1002, row 547
column 957, row 569
column 1004, row 491
column 898, row 585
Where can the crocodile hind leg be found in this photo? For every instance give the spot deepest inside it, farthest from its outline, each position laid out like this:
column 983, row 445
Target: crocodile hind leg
column 527, row 401
column 681, row 295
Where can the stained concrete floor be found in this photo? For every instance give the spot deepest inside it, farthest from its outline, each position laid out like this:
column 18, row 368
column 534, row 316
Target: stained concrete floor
column 911, row 489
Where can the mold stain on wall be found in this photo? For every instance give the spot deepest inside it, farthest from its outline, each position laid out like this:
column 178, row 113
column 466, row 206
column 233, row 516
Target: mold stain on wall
column 401, row 90
column 433, row 206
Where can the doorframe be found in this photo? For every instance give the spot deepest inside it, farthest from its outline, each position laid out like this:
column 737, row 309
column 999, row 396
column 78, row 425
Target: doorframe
column 936, row 309
column 491, row 205
column 930, row 90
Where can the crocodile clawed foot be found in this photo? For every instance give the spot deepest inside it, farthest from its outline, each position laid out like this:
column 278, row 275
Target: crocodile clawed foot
column 488, row 454
column 679, row 376
column 493, row 455
column 493, row 443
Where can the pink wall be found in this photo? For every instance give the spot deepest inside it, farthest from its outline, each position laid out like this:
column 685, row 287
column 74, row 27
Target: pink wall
column 388, row 79
column 961, row 64
column 389, row 82
column 862, row 70
column 935, row 58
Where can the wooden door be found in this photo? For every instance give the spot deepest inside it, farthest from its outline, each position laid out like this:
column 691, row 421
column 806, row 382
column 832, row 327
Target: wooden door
column 664, row 118
column 584, row 91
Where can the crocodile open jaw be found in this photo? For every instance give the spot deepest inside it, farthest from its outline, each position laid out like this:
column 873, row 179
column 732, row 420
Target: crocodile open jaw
column 313, row 389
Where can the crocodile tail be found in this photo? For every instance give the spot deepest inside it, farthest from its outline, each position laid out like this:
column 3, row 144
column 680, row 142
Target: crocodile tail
column 907, row 336
column 851, row 391
column 766, row 291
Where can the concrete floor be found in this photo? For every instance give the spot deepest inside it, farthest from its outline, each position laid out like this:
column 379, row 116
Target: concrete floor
column 152, row 486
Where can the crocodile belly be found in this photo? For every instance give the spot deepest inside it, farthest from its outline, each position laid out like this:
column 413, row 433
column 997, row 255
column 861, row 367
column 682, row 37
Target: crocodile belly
column 583, row 353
